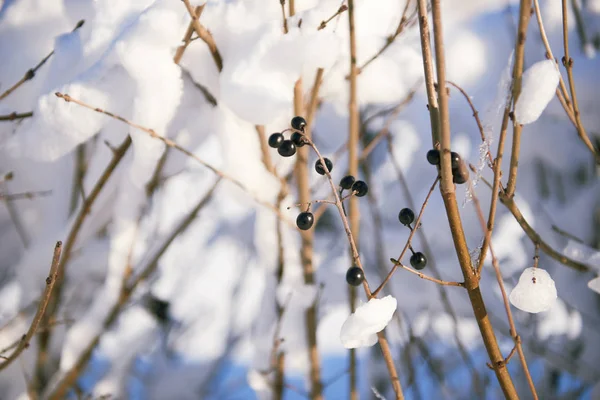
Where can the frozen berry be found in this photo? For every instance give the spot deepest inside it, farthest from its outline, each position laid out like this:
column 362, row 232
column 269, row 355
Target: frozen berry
column 287, row 148
column 455, row 159
column 305, row 220
column 159, row 308
column 433, row 157
column 275, row 140
column 418, row 260
column 298, row 123
column 319, row 166
column 298, row 139
column 406, row 216
column 460, row 174
column 355, row 276
column 347, row 182
column 361, row 188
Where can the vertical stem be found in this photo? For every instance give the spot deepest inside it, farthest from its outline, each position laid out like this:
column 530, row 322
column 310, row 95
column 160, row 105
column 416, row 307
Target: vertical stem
column 354, row 211
column 458, row 236
column 306, row 253
column 524, row 17
column 428, row 70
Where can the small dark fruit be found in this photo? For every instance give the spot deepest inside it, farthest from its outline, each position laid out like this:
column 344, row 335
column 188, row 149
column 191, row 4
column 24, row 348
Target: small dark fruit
column 275, row 140
column 298, row 139
column 298, row 123
column 361, row 188
column 433, row 157
column 455, row 159
column 418, row 260
column 305, row 220
column 406, row 216
column 287, row 148
column 347, row 182
column 355, row 276
column 319, row 166
column 460, row 174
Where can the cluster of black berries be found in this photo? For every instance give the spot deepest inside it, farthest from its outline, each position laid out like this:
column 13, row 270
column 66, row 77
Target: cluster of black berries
column 418, row 259
column 287, row 147
column 460, row 172
column 359, row 188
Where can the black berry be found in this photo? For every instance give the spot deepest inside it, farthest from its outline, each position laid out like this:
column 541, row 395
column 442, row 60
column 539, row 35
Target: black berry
column 287, row 148
column 275, row 140
column 433, row 157
column 298, row 139
column 305, row 220
column 455, row 159
column 298, row 123
column 406, row 216
column 418, row 260
column 347, row 182
column 319, row 166
column 355, row 276
column 159, row 308
column 361, row 188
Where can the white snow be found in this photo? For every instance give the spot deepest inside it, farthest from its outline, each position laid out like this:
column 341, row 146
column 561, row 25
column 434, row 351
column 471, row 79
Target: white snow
column 535, row 291
column 361, row 327
column 539, row 84
column 594, row 284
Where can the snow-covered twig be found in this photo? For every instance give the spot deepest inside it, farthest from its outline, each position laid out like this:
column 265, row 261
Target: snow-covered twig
column 41, row 310
column 31, row 72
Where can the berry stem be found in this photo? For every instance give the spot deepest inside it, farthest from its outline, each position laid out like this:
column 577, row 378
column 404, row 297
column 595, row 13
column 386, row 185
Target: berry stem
column 408, row 241
column 422, row 276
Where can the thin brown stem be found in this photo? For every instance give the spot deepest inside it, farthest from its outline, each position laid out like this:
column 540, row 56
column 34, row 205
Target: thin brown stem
column 205, row 35
column 187, row 39
column 397, row 263
column 324, row 23
column 30, row 74
column 536, row 238
column 41, row 310
column 568, row 64
column 354, row 210
column 449, row 197
column 68, row 379
column 44, row 338
column 172, row 144
column 432, row 100
column 524, row 17
column 511, row 322
column 16, row 116
column 383, row 343
column 390, row 39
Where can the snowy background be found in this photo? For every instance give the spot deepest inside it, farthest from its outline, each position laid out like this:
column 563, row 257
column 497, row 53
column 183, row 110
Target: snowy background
column 218, row 275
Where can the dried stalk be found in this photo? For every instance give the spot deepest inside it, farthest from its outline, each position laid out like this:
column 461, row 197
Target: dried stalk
column 41, row 310
column 205, row 35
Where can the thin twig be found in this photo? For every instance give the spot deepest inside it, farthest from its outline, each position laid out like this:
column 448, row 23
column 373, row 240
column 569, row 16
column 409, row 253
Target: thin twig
column 31, row 72
column 177, row 147
column 187, row 39
column 568, row 64
column 390, row 39
column 535, row 237
column 68, row 378
column 16, row 116
column 205, row 35
column 25, row 195
column 383, row 343
column 397, row 262
column 50, row 281
column 324, row 23
column 500, row 280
